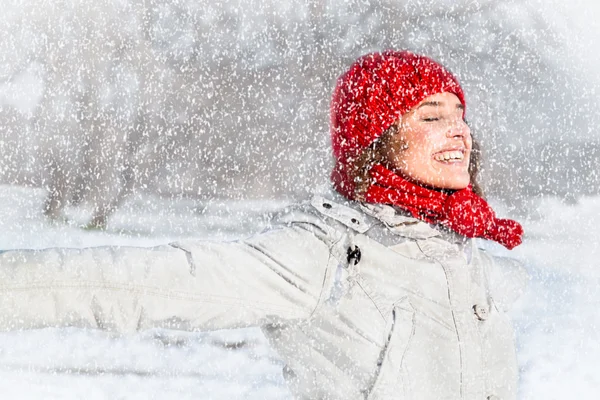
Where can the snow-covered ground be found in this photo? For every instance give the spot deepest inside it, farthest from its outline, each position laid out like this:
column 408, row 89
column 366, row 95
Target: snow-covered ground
column 556, row 319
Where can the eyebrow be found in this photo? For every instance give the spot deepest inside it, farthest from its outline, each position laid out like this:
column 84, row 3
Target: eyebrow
column 439, row 103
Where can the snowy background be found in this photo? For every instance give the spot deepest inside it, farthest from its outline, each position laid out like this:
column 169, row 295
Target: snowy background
column 556, row 320
column 160, row 120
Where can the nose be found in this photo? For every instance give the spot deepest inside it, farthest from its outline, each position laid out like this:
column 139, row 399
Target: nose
column 458, row 129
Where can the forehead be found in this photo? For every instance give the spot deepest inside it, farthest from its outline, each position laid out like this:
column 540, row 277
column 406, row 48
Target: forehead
column 444, row 99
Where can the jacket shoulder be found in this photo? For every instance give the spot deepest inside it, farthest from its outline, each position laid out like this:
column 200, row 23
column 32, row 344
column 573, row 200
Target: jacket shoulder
column 326, row 215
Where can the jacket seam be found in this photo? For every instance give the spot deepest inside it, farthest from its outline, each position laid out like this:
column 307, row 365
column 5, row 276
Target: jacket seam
column 270, row 258
column 145, row 290
column 454, row 319
column 190, row 258
column 366, row 290
column 326, row 277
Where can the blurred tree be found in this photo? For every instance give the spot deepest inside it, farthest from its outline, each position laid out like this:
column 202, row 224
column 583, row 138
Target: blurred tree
column 231, row 99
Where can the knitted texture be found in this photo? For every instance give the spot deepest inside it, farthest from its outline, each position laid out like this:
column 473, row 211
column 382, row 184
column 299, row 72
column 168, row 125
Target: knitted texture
column 377, row 90
column 462, row 211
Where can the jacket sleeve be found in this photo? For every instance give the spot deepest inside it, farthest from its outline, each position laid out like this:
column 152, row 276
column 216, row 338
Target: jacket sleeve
column 192, row 285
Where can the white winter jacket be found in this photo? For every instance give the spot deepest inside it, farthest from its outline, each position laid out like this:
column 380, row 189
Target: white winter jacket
column 361, row 301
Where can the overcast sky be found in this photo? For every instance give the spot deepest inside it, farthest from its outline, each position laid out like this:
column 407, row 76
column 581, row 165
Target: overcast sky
column 578, row 22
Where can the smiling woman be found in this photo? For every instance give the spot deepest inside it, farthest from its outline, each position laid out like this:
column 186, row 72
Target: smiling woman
column 375, row 292
column 430, row 145
column 399, row 137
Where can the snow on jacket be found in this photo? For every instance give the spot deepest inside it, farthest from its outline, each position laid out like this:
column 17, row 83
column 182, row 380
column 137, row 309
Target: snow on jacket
column 360, row 301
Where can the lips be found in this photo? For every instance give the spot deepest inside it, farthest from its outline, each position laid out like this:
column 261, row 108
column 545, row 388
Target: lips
column 450, row 155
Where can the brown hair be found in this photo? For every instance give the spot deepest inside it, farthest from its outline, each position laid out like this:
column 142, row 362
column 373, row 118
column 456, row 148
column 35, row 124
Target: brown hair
column 375, row 154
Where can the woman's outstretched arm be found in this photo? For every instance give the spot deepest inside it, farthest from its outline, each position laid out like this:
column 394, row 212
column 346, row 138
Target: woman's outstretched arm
column 190, row 285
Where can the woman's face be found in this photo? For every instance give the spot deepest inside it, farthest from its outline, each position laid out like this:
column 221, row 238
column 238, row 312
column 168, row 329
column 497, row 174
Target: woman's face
column 433, row 144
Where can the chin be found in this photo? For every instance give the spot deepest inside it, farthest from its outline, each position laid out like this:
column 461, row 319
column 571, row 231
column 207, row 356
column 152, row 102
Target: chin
column 460, row 185
column 440, row 182
column 456, row 184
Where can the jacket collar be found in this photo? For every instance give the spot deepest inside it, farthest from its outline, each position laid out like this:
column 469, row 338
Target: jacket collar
column 399, row 222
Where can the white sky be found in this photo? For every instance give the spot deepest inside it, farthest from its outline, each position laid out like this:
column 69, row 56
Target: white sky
column 579, row 22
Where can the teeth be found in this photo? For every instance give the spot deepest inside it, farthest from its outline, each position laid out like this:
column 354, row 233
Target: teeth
column 449, row 155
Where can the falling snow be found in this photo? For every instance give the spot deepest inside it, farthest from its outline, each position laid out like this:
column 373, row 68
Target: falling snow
column 143, row 121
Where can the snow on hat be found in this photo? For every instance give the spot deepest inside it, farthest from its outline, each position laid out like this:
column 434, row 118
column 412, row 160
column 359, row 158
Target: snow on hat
column 377, row 90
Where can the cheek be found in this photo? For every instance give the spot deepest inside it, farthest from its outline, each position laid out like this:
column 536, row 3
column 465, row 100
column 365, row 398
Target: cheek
column 469, row 141
column 416, row 162
column 410, row 151
column 422, row 139
column 420, row 150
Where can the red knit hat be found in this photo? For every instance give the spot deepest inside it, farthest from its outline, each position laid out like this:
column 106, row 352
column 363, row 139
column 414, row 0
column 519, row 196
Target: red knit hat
column 377, row 90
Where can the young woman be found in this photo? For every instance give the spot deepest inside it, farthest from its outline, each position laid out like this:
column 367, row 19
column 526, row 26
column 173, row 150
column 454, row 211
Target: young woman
column 376, row 294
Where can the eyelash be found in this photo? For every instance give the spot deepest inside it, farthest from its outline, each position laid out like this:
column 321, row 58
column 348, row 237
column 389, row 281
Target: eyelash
column 434, row 119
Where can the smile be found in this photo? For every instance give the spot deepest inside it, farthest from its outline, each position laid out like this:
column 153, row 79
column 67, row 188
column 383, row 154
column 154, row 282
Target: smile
column 449, row 156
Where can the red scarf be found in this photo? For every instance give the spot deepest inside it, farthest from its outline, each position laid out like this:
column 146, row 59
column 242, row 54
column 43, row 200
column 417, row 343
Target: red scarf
column 462, row 211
